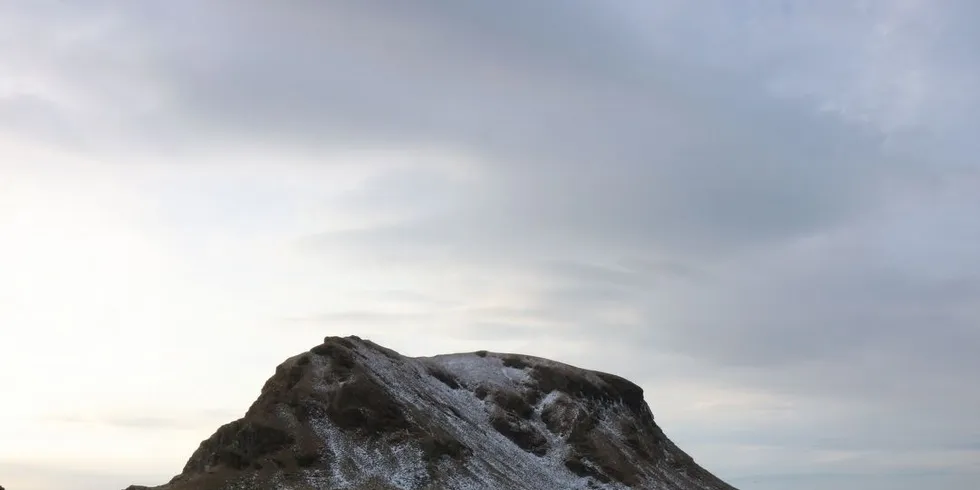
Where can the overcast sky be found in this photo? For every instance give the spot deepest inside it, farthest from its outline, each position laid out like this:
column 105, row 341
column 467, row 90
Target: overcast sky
column 764, row 212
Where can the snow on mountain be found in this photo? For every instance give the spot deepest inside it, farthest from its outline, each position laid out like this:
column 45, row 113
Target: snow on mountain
column 352, row 415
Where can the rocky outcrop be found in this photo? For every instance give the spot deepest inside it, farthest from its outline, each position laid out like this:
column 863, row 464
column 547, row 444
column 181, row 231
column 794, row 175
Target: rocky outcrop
column 350, row 414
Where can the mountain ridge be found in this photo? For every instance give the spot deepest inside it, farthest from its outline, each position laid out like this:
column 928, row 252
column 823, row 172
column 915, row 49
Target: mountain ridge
column 351, row 414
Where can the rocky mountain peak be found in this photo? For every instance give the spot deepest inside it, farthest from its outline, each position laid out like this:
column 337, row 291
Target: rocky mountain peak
column 350, row 414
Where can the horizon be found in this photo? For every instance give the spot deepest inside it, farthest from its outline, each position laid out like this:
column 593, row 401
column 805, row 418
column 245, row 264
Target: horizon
column 763, row 213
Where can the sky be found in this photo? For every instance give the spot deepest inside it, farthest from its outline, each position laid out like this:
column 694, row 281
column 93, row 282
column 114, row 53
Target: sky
column 760, row 211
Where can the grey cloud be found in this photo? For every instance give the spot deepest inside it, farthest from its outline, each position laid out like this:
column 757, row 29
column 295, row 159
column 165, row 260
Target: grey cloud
column 591, row 273
column 148, row 422
column 33, row 117
column 196, row 420
column 865, row 481
column 839, row 328
column 43, row 476
column 586, row 128
column 360, row 319
column 668, row 174
column 876, row 432
column 402, row 296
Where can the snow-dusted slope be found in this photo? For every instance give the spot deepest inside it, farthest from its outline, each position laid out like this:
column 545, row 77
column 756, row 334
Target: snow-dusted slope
column 350, row 414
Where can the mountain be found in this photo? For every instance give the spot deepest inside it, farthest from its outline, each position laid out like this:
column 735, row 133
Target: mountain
column 350, row 414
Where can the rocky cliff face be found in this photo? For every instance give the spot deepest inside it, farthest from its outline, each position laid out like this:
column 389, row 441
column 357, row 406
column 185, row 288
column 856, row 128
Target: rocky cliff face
column 350, row 414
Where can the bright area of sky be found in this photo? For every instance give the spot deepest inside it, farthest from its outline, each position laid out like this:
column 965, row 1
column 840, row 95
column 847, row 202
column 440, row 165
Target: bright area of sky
column 763, row 212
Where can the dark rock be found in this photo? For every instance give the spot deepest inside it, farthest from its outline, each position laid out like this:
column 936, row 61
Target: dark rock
column 518, row 430
column 576, row 382
column 351, row 412
column 444, row 377
column 512, row 403
column 516, row 362
column 239, row 445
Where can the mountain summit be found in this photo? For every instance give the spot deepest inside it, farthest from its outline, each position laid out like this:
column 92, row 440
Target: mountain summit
column 350, row 414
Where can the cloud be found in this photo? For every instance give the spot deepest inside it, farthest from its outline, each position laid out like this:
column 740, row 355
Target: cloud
column 43, row 476
column 149, row 419
column 588, row 130
column 900, row 481
column 762, row 211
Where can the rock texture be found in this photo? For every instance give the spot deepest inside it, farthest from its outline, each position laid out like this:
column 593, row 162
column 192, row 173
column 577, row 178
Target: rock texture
column 350, row 414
